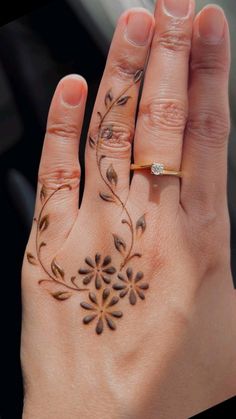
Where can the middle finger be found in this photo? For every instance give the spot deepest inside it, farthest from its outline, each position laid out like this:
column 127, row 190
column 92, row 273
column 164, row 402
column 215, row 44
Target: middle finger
column 164, row 104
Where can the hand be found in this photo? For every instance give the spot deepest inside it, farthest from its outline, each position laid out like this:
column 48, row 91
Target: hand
column 128, row 301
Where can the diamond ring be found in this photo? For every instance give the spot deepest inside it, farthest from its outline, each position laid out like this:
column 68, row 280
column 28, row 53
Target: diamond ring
column 157, row 169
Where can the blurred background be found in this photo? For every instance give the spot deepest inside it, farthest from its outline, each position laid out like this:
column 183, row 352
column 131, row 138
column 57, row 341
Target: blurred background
column 66, row 36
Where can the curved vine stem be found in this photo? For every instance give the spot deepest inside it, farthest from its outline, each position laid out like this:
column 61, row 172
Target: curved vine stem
column 98, row 159
column 38, row 246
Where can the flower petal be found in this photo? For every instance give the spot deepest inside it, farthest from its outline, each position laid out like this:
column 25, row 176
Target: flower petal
column 124, row 292
column 129, row 273
column 84, row 271
column 98, row 282
column 106, row 261
column 110, row 270
column 93, row 298
column 88, row 319
column 118, row 287
column 106, row 279
column 117, row 314
column 88, row 279
column 105, row 294
column 144, row 286
column 97, row 258
column 132, row 297
column 121, row 277
column 140, row 294
column 110, row 323
column 138, row 276
column 99, row 327
column 87, row 306
column 89, row 262
column 113, row 301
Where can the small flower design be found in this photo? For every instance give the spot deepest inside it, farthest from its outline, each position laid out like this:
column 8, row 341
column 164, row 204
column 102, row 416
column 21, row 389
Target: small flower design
column 102, row 311
column 131, row 285
column 98, row 270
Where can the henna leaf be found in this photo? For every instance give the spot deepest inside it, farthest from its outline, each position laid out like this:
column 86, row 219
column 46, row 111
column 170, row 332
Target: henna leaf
column 138, row 75
column 124, row 221
column 119, row 243
column 107, row 132
column 57, row 270
column 44, row 223
column 43, row 193
column 42, row 245
column 61, row 295
column 123, row 100
column 135, row 255
column 108, row 98
column 112, row 175
column 141, row 224
column 31, row 259
column 106, row 197
column 92, row 142
column 100, row 115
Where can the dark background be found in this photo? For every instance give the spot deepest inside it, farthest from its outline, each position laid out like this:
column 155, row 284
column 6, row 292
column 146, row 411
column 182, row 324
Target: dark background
column 35, row 52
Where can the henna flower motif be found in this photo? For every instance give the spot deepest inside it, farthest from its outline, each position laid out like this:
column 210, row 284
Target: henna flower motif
column 103, row 311
column 98, row 270
column 131, row 286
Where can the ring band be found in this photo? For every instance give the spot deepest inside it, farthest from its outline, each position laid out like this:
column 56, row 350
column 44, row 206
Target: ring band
column 157, row 169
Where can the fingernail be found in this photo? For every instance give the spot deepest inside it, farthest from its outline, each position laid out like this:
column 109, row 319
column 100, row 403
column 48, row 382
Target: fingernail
column 177, row 8
column 212, row 24
column 71, row 91
column 139, row 26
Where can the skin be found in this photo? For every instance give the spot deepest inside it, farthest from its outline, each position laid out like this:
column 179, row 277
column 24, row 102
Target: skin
column 172, row 354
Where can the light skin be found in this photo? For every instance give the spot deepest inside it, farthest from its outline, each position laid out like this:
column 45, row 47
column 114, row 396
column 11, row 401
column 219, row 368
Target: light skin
column 165, row 241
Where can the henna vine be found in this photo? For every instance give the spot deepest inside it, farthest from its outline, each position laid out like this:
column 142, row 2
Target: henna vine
column 98, row 270
column 57, row 274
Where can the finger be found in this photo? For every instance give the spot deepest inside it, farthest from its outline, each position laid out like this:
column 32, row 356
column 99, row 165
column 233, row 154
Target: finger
column 59, row 164
column 112, row 124
column 205, row 144
column 164, row 104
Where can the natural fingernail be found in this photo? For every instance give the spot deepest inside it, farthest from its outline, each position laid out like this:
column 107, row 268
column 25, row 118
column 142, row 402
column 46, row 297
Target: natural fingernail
column 139, row 27
column 177, row 8
column 212, row 24
column 71, row 91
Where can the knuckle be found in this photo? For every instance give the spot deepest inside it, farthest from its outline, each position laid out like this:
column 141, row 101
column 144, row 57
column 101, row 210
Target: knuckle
column 115, row 134
column 123, row 67
column 213, row 126
column 58, row 176
column 65, row 129
column 173, row 40
column 169, row 114
column 209, row 64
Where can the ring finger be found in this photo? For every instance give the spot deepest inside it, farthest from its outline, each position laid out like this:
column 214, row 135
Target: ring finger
column 164, row 104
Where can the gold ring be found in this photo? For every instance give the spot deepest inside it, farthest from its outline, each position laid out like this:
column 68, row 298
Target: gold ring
column 157, row 169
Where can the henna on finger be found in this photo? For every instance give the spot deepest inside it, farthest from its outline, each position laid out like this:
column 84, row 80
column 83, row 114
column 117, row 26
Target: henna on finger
column 107, row 284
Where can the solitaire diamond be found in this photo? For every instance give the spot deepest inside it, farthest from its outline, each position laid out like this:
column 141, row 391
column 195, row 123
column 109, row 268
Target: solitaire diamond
column 157, row 169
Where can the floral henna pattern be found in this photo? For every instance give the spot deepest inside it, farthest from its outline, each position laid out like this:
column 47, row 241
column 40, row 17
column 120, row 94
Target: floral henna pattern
column 56, row 275
column 102, row 311
column 130, row 285
column 99, row 270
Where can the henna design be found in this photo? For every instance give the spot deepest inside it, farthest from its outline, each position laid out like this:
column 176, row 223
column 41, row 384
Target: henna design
column 111, row 178
column 130, row 285
column 98, row 269
column 102, row 310
column 57, row 274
